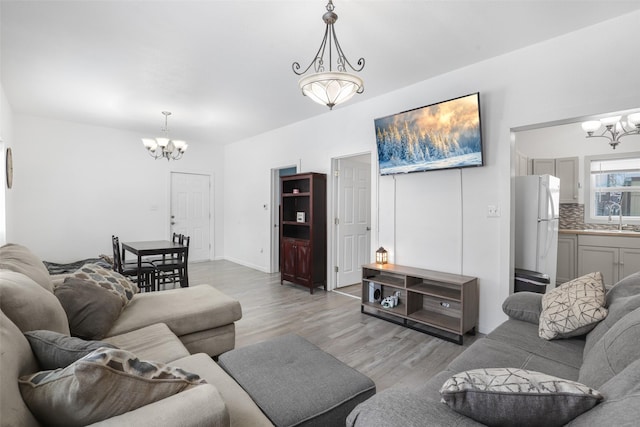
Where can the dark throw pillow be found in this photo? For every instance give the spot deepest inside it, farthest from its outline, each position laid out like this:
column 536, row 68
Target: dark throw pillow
column 510, row 396
column 54, row 350
column 91, row 310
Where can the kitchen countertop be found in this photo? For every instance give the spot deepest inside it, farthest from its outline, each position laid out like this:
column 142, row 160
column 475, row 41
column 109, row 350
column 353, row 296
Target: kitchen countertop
column 592, row 232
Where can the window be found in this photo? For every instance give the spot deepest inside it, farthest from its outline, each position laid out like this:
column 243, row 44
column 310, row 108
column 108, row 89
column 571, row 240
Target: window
column 612, row 190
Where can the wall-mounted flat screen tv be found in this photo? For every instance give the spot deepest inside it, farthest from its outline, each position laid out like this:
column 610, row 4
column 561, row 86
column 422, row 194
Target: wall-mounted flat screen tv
column 446, row 135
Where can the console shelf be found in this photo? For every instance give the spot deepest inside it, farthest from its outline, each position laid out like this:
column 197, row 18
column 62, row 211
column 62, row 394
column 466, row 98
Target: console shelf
column 437, row 303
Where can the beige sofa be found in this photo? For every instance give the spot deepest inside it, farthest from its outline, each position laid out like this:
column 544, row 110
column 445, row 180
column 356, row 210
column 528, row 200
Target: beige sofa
column 182, row 327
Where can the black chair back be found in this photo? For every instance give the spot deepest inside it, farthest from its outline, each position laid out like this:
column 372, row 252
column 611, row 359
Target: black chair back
column 117, row 258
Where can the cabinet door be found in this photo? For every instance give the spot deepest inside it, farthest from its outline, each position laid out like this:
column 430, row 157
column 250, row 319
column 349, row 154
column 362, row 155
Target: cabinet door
column 629, row 262
column 288, row 269
column 567, row 171
column 522, row 164
column 303, row 262
column 599, row 258
column 567, row 251
column 544, row 167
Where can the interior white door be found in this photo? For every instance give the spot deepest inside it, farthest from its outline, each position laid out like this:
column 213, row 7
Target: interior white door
column 354, row 218
column 190, row 212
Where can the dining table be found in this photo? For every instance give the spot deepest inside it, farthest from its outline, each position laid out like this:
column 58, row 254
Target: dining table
column 154, row 247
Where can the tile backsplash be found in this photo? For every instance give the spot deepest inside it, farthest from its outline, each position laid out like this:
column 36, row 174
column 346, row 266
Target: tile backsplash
column 572, row 218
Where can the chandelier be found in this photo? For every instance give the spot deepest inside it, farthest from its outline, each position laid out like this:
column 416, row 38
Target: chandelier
column 330, row 87
column 165, row 147
column 614, row 128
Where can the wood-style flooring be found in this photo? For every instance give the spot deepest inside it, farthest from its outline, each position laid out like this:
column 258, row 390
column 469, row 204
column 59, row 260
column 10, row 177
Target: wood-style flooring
column 391, row 355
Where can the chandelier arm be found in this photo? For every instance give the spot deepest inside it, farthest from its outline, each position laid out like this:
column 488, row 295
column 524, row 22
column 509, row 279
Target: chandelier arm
column 629, row 132
column 155, row 155
column 317, row 58
column 342, row 57
column 613, row 142
column 601, row 136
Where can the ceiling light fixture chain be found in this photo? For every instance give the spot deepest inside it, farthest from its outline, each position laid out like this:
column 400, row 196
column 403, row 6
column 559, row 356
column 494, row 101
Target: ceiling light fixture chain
column 171, row 149
column 165, row 128
column 330, row 87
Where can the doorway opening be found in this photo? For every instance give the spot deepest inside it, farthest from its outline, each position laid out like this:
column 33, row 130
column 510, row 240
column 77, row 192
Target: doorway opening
column 191, row 212
column 352, row 218
column 276, row 173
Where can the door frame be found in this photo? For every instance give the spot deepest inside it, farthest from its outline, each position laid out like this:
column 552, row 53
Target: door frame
column 332, row 274
column 274, row 262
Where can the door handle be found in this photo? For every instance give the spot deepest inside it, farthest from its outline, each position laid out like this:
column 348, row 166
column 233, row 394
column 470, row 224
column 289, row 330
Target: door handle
column 173, row 223
column 368, row 228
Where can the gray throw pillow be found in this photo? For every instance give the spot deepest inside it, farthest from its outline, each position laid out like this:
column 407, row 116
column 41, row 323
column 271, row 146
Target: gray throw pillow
column 54, row 350
column 525, row 306
column 511, row 396
column 101, row 385
column 91, row 310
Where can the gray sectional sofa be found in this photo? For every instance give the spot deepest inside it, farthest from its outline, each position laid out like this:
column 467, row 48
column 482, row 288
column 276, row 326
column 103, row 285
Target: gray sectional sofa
column 181, row 328
column 605, row 359
column 140, row 370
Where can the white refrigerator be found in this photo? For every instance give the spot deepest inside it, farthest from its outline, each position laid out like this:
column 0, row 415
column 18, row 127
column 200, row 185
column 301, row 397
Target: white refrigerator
column 537, row 201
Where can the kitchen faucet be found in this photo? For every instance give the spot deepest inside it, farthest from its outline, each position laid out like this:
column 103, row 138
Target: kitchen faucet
column 611, row 204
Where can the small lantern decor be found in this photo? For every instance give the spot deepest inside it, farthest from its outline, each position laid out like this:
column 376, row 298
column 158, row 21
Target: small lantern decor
column 381, row 256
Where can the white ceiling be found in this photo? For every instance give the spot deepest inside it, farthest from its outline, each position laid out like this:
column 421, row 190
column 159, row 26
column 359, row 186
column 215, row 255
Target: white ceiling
column 224, row 67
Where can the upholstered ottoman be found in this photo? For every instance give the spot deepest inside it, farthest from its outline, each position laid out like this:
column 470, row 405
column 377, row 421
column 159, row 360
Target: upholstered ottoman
column 297, row 384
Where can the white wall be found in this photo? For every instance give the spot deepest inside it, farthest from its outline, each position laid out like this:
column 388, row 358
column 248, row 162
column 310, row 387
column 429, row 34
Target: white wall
column 76, row 185
column 568, row 140
column 6, row 138
column 554, row 80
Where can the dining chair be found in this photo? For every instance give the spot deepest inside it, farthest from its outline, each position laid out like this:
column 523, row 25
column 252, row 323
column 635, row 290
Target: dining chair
column 173, row 269
column 151, row 258
column 130, row 268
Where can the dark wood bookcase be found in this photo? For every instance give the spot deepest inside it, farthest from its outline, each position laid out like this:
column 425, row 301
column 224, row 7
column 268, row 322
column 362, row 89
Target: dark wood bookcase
column 303, row 230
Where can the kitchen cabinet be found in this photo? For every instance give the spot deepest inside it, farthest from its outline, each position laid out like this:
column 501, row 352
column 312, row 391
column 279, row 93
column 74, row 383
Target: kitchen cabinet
column 614, row 257
column 544, row 167
column 567, row 169
column 567, row 264
column 523, row 165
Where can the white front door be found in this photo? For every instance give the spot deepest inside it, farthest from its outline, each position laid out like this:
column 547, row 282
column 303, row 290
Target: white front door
column 354, row 218
column 190, row 212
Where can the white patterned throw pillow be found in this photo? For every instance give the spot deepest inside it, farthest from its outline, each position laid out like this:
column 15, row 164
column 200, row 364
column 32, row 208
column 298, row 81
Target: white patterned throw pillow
column 573, row 308
column 511, row 396
column 108, row 279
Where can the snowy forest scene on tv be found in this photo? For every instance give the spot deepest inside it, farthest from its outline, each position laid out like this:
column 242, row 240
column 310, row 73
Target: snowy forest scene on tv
column 440, row 136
